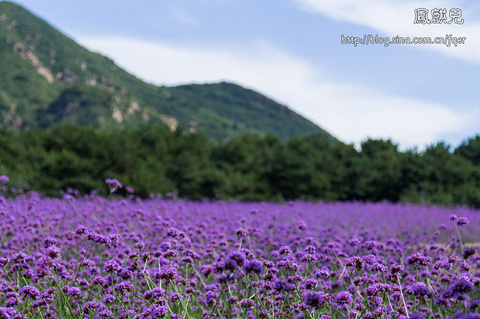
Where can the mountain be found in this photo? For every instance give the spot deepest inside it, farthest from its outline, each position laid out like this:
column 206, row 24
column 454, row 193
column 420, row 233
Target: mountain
column 46, row 78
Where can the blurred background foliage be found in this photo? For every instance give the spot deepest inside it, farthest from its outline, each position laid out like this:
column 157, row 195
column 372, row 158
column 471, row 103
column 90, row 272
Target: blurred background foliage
column 248, row 168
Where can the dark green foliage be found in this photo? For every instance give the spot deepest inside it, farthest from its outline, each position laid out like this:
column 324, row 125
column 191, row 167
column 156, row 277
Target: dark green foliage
column 381, row 171
column 470, row 150
column 49, row 79
column 247, row 162
column 302, row 168
column 250, row 167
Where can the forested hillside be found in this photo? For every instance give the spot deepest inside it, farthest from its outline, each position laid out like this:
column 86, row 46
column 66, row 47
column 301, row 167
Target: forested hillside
column 47, row 79
column 250, row 167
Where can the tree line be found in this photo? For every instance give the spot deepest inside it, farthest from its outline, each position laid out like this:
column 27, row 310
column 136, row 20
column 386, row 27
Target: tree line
column 247, row 168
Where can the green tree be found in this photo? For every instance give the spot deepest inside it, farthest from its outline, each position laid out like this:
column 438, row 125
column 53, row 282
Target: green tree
column 381, row 171
column 246, row 163
column 470, row 150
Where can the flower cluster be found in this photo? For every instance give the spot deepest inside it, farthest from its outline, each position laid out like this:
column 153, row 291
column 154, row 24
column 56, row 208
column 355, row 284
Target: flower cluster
column 91, row 257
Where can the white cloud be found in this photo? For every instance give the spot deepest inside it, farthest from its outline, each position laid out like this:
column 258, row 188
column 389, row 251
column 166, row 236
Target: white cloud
column 351, row 112
column 393, row 18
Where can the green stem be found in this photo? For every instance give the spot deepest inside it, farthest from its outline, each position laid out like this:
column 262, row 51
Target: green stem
column 79, row 265
column 403, row 299
column 459, row 237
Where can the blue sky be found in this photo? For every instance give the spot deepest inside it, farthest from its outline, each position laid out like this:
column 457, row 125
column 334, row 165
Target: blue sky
column 291, row 51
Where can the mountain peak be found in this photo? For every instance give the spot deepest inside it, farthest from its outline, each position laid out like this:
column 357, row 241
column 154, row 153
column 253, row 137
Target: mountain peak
column 6, row 4
column 47, row 78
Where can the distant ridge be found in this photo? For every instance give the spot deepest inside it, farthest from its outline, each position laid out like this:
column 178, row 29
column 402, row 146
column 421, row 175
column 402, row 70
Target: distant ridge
column 47, row 78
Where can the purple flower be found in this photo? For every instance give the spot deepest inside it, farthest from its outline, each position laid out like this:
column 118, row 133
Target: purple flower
column 313, row 299
column 170, row 253
column 158, row 311
column 418, row 259
column 91, row 306
column 11, row 302
column 113, row 183
column 280, row 285
column 323, row 273
column 237, row 256
column 229, row 264
column 4, row 261
column 461, row 286
column 473, row 305
column 285, row 250
column 310, row 283
column 111, row 266
column 105, row 314
column 9, row 313
column 468, row 251
column 53, row 252
column 224, row 278
column 247, row 303
column 99, row 281
column 69, row 235
column 172, row 232
column 49, row 241
column 30, row 291
column 167, row 273
column 123, row 287
column 462, row 221
column 354, row 242
column 395, row 268
column 355, row 261
column 155, row 294
column 125, row 273
column 373, row 290
column 240, row 232
column 81, row 230
column 254, row 266
column 379, row 267
column 4, row 179
column 302, row 226
column 420, row 289
column 72, row 291
column 310, row 249
column 453, row 217
column 210, row 298
column 344, row 298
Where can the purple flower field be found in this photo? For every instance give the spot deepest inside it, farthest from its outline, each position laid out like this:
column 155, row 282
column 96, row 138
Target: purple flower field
column 91, row 257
